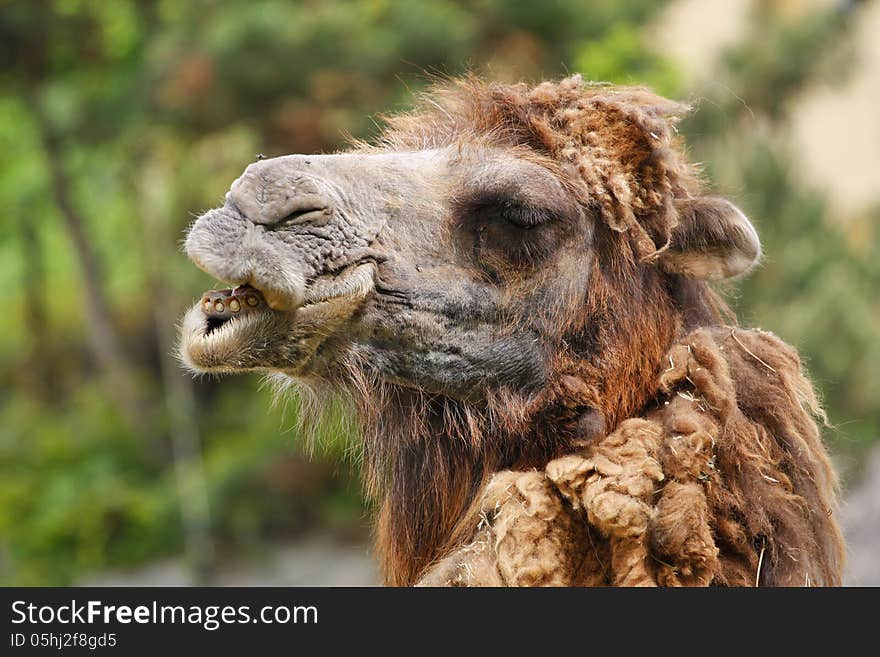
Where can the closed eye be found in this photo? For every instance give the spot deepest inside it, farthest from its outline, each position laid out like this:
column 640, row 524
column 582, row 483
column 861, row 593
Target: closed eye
column 525, row 217
column 508, row 232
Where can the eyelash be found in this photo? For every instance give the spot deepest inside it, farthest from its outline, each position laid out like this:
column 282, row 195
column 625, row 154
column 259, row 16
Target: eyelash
column 511, row 229
column 520, row 216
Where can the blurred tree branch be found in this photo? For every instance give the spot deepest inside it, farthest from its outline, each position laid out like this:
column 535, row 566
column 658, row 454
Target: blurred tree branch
column 104, row 340
column 103, row 337
column 183, row 428
column 34, row 280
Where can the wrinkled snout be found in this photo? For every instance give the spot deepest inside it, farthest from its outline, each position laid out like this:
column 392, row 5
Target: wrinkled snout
column 286, row 222
column 269, row 193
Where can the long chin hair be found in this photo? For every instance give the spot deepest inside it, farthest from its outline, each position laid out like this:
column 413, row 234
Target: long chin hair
column 424, row 457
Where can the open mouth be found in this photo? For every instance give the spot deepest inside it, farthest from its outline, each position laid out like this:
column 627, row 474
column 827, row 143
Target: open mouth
column 235, row 329
column 220, row 306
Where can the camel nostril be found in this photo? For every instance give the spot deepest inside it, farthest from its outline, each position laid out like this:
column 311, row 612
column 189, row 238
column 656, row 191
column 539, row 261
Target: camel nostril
column 298, row 208
column 294, row 209
column 317, row 216
column 270, row 193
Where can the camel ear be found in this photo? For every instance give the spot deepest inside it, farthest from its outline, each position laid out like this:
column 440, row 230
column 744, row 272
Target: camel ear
column 713, row 240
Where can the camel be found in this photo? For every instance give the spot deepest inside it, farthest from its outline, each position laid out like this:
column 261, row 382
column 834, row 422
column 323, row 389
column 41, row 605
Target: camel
column 513, row 284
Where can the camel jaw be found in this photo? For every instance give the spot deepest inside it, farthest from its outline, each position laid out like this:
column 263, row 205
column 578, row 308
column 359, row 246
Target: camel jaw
column 237, row 330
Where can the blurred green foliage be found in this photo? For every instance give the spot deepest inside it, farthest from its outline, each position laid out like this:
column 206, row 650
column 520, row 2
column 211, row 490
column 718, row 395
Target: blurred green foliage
column 817, row 285
column 147, row 109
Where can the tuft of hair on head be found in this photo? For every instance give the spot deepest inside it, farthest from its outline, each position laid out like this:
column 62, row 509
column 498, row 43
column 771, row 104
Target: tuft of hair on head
column 623, row 153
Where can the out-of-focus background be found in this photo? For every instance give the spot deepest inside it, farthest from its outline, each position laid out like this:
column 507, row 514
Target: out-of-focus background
column 119, row 121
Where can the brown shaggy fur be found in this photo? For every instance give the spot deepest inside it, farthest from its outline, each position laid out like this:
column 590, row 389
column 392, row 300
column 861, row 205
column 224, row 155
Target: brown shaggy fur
column 666, row 448
column 672, row 499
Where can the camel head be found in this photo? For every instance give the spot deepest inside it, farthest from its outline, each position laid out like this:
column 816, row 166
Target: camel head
column 514, row 259
column 435, row 268
column 455, row 259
